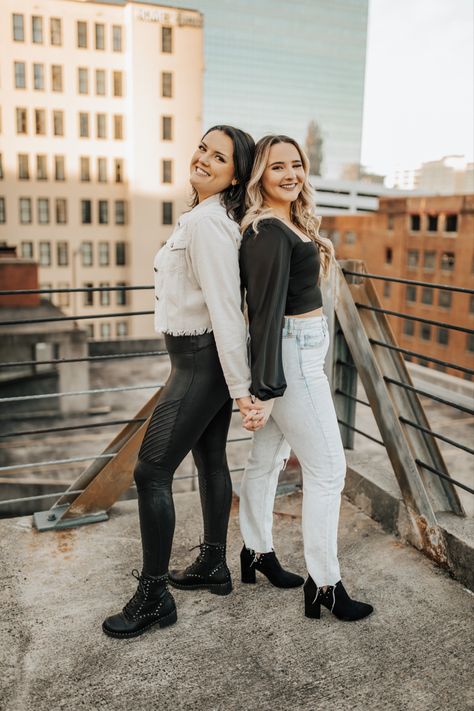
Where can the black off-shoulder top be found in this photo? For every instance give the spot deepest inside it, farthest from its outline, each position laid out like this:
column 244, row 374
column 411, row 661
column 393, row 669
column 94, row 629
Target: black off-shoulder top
column 280, row 274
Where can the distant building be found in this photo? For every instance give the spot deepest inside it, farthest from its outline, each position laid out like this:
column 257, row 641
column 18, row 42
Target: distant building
column 101, row 111
column 452, row 175
column 273, row 66
column 347, row 197
column 427, row 239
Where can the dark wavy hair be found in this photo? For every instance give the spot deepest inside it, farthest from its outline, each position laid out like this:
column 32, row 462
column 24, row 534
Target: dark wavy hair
column 233, row 197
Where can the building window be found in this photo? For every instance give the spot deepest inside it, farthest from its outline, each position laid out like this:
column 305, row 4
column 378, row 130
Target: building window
column 63, row 296
column 167, row 40
column 84, row 125
column 444, row 299
column 61, row 211
column 451, row 223
column 425, row 331
column 104, row 254
column 166, row 128
column 167, row 171
column 43, row 211
column 122, row 328
column 410, row 293
column 82, row 80
column 390, row 222
column 121, row 295
column 408, row 327
column 470, row 342
column 388, row 255
column 86, row 254
column 415, row 223
column 167, row 213
column 427, row 295
column 20, row 75
column 350, row 237
column 45, row 254
column 46, row 297
column 166, row 85
column 82, row 34
column 55, row 31
column 26, row 250
column 90, row 330
column 40, row 122
column 101, row 126
column 102, row 170
column 448, row 261
column 62, row 254
column 3, row 211
column 41, row 167
column 86, row 212
column 58, row 123
column 37, row 29
column 120, row 216
column 387, row 288
column 116, row 38
column 118, row 126
column 105, row 330
column 118, row 83
column 118, row 170
column 57, row 77
column 38, row 77
column 100, row 82
column 443, row 336
column 25, row 211
column 59, row 168
column 23, row 166
column 104, row 296
column 21, row 125
column 99, row 36
column 432, row 223
column 429, row 261
column 120, row 256
column 88, row 296
column 103, row 212
column 18, row 28
column 85, row 171
column 412, row 258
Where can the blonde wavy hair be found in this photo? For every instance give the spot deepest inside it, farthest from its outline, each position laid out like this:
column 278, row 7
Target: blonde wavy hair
column 302, row 211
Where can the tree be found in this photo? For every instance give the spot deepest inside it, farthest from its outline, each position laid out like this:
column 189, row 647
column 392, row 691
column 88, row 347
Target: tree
column 314, row 148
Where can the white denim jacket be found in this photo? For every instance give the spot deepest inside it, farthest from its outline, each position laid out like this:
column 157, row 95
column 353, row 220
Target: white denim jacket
column 197, row 287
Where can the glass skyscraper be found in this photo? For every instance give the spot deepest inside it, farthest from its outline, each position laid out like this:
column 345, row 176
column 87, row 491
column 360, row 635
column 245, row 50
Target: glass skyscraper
column 275, row 65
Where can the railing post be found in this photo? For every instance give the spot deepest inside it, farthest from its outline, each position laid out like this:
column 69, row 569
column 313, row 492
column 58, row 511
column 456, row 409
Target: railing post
column 342, row 378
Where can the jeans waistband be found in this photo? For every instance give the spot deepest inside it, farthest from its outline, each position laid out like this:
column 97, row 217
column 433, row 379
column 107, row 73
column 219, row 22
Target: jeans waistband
column 188, row 344
column 292, row 325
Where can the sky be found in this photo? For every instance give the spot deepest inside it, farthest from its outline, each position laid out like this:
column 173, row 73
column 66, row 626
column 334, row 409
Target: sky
column 419, row 91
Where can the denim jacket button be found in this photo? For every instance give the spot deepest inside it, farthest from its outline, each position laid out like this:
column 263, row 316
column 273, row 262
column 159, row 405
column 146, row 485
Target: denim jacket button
column 155, row 269
column 156, row 298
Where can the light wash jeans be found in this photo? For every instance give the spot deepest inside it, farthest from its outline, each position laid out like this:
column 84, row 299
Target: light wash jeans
column 304, row 419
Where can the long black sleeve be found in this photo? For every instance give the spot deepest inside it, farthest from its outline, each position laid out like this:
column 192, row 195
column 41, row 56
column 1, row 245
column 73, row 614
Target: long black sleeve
column 265, row 272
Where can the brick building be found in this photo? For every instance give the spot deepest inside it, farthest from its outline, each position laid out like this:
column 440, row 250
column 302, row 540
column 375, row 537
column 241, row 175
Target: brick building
column 426, row 239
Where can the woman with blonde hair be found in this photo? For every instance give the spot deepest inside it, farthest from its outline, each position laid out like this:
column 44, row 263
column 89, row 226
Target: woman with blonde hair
column 281, row 257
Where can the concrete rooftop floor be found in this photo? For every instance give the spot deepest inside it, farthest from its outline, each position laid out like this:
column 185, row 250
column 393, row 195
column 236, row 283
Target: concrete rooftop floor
column 253, row 649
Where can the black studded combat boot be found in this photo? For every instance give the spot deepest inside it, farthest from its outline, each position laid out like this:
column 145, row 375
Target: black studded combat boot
column 208, row 572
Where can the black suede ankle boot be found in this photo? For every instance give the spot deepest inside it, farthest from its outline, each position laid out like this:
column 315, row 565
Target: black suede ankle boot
column 208, row 572
column 269, row 565
column 337, row 601
column 152, row 604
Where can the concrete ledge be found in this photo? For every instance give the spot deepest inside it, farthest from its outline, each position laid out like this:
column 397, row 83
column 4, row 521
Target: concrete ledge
column 375, row 491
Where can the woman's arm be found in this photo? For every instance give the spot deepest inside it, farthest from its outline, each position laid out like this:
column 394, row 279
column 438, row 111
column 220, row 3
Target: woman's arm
column 213, row 250
column 265, row 269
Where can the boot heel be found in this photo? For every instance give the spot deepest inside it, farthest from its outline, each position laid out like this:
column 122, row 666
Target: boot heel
column 223, row 589
column 312, row 610
column 169, row 619
column 248, row 574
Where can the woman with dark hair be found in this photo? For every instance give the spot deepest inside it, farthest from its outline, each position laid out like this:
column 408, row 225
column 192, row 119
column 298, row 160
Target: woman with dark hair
column 197, row 307
column 281, row 256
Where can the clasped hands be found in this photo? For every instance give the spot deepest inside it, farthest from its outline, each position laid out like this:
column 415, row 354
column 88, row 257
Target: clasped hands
column 255, row 412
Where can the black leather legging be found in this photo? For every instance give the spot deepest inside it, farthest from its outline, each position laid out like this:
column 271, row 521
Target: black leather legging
column 192, row 414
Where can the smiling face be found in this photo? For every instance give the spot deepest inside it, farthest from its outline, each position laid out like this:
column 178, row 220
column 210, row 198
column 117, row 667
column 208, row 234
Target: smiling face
column 212, row 165
column 283, row 177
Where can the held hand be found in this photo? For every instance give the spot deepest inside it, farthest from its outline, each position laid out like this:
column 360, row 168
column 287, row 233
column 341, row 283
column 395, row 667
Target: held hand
column 252, row 421
column 253, row 411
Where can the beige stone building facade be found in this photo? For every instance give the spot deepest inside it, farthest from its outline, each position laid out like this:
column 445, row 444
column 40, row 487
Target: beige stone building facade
column 100, row 113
